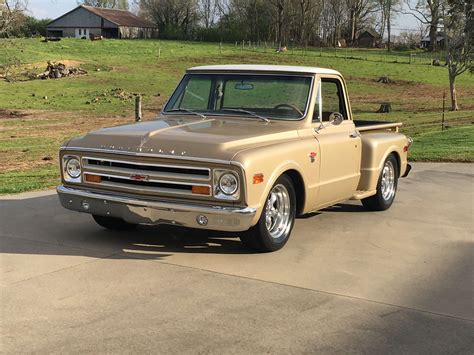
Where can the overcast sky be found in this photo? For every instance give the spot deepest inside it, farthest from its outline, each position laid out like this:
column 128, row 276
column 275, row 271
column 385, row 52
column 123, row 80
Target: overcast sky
column 55, row 8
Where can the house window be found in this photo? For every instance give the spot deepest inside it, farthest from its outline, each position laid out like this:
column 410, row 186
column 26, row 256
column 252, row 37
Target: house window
column 80, row 31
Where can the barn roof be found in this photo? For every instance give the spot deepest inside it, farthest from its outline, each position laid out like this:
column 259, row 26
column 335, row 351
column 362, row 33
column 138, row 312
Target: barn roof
column 371, row 32
column 119, row 17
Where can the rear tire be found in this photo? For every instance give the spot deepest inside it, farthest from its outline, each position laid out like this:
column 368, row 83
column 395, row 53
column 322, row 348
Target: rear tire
column 113, row 223
column 386, row 186
column 274, row 227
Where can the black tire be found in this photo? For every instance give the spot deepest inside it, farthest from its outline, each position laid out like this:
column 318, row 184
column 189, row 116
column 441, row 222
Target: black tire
column 113, row 223
column 259, row 237
column 383, row 200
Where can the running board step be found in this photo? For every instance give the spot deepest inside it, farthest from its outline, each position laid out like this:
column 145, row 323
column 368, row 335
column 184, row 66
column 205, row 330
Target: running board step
column 359, row 195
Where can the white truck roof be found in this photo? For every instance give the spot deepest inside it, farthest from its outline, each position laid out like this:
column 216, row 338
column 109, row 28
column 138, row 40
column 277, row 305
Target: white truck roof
column 264, row 68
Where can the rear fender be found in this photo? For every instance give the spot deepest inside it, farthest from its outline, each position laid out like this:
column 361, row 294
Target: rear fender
column 376, row 147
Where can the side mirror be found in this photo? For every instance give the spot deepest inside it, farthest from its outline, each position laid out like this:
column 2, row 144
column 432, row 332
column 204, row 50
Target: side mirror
column 336, row 118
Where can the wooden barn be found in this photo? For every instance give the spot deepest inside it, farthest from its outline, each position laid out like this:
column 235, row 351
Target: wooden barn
column 368, row 38
column 86, row 21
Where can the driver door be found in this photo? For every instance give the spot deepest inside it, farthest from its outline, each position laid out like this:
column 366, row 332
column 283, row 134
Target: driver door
column 340, row 144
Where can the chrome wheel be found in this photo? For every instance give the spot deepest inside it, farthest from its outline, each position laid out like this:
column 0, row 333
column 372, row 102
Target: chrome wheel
column 277, row 212
column 388, row 181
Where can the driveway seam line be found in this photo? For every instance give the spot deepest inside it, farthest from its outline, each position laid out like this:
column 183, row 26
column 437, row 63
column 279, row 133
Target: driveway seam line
column 62, row 269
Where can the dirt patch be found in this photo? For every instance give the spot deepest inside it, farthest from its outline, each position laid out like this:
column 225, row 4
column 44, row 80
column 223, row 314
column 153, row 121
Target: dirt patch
column 42, row 132
column 41, row 70
column 6, row 114
column 42, row 64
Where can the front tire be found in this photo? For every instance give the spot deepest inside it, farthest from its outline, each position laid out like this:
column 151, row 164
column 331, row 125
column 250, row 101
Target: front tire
column 386, row 187
column 113, row 223
column 276, row 221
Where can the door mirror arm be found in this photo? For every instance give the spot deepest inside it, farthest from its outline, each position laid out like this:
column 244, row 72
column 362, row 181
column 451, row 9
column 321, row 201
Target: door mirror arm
column 335, row 119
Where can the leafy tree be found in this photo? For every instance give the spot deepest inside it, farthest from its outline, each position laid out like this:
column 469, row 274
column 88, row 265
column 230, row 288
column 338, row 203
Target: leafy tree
column 34, row 27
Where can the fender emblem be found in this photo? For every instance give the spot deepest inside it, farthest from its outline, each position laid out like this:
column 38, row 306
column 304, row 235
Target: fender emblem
column 138, row 177
column 312, row 156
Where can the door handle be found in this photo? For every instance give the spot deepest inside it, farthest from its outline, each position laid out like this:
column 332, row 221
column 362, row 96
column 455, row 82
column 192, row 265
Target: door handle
column 354, row 134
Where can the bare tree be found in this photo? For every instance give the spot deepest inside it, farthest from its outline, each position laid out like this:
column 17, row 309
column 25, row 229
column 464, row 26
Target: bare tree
column 388, row 10
column 281, row 7
column 174, row 18
column 12, row 13
column 459, row 25
column 428, row 12
column 359, row 12
column 207, row 11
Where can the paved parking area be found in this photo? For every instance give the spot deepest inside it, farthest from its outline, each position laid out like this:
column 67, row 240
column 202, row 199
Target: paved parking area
column 348, row 280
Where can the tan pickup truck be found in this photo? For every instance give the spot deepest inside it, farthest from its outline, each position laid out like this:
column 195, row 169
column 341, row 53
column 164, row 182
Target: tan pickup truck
column 239, row 148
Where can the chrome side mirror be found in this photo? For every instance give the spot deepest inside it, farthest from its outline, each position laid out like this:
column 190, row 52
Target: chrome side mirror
column 336, row 118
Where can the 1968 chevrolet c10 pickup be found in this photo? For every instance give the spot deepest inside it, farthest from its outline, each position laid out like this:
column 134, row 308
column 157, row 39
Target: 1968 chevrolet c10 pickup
column 240, row 148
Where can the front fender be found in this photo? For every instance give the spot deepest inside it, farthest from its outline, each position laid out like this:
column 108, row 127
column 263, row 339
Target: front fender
column 273, row 161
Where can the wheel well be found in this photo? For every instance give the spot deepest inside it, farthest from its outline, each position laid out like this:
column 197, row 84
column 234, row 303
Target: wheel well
column 298, row 184
column 397, row 157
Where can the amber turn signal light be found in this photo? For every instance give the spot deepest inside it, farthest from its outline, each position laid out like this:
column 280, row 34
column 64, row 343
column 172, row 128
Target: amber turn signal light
column 257, row 179
column 201, row 190
column 93, row 178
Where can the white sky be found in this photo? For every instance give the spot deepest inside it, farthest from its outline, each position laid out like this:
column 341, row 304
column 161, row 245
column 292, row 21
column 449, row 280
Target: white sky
column 55, row 8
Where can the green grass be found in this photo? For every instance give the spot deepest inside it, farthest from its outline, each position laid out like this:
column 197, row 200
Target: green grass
column 452, row 144
column 71, row 106
column 30, row 179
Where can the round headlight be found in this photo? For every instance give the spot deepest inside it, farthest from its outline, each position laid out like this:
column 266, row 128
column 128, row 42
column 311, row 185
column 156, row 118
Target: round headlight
column 228, row 183
column 73, row 168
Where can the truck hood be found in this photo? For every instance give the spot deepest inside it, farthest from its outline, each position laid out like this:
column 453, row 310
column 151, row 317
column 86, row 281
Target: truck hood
column 212, row 138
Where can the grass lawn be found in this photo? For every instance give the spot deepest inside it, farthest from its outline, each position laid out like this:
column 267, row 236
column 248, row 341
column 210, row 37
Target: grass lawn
column 37, row 116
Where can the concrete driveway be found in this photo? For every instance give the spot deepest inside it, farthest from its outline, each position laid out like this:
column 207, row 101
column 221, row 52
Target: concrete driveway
column 348, row 280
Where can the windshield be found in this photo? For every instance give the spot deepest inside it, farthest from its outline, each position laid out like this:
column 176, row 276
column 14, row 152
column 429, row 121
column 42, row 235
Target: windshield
column 255, row 96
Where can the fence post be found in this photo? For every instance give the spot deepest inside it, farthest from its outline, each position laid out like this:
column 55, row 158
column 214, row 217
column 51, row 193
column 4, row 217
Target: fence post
column 138, row 108
column 220, row 47
column 442, row 117
column 159, row 52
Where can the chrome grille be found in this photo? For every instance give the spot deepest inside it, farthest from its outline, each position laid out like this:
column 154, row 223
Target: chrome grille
column 156, row 178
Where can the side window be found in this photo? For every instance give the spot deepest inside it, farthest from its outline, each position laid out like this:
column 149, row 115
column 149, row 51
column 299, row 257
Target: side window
column 196, row 94
column 332, row 99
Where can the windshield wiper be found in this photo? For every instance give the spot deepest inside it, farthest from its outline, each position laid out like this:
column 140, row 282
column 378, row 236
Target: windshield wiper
column 247, row 112
column 181, row 109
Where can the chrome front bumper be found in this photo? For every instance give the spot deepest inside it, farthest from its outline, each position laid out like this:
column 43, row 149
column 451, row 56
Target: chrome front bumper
column 232, row 219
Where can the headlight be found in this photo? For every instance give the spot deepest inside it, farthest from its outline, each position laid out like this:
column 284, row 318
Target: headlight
column 72, row 169
column 228, row 184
